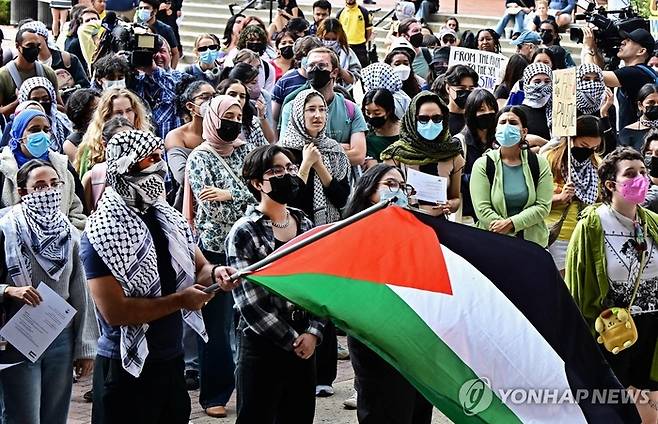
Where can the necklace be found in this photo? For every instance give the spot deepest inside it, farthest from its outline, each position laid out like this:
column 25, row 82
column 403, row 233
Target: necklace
column 284, row 224
column 637, row 240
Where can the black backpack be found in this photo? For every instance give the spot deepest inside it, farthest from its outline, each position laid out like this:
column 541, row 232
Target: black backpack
column 533, row 163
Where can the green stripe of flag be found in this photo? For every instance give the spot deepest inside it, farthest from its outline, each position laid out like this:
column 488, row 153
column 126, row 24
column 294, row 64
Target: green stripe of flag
column 379, row 318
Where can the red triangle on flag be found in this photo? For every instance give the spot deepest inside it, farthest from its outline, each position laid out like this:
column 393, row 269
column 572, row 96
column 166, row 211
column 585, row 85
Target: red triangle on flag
column 388, row 247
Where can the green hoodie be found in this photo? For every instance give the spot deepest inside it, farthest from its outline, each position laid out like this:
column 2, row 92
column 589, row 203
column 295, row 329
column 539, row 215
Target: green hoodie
column 489, row 200
column 586, row 270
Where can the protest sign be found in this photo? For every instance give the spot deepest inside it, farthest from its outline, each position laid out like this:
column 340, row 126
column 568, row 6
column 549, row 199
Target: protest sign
column 489, row 66
column 564, row 102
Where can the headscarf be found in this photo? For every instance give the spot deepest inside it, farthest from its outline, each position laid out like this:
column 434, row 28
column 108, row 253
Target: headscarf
column 589, row 94
column 405, row 10
column 60, row 124
column 36, row 225
column 382, row 75
column 333, row 156
column 212, row 122
column 18, row 126
column 40, row 29
column 539, row 95
column 125, row 244
column 412, row 149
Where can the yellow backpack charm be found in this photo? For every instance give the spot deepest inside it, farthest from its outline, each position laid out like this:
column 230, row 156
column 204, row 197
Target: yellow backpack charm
column 616, row 329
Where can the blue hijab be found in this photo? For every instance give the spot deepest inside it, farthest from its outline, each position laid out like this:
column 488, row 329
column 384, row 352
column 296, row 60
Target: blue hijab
column 18, row 126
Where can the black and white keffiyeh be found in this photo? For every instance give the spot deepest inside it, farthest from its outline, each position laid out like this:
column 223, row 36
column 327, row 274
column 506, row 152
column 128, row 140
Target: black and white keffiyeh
column 37, row 226
column 125, row 245
column 59, row 122
column 380, row 75
column 589, row 94
column 539, row 95
column 333, row 157
column 585, row 179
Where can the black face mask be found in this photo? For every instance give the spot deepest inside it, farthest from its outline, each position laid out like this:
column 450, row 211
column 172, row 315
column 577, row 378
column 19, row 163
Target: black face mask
column 416, row 40
column 460, row 99
column 653, row 166
column 485, row 121
column 319, row 78
column 376, row 121
column 651, row 112
column 285, row 189
column 287, row 53
column 47, row 107
column 257, row 47
column 30, row 53
column 581, row 153
column 229, row 130
column 547, row 37
column 439, row 70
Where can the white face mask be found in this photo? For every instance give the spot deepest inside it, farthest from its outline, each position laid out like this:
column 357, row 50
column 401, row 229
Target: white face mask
column 114, row 84
column 403, row 71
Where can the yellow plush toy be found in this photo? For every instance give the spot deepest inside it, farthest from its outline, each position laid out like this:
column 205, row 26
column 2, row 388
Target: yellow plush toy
column 616, row 329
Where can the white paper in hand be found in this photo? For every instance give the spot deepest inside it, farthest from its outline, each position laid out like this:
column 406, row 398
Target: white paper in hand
column 34, row 328
column 429, row 188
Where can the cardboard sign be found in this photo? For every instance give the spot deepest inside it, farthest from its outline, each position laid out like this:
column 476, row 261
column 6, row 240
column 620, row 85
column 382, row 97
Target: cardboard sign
column 489, row 66
column 564, row 102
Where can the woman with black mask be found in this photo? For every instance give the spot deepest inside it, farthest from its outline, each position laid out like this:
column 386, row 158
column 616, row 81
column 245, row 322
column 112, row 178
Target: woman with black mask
column 650, row 152
column 476, row 138
column 384, row 126
column 633, row 135
column 458, row 83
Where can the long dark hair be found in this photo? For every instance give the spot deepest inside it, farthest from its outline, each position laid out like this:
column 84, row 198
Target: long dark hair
column 475, row 100
column 382, row 98
column 410, row 86
column 228, row 31
column 514, row 71
column 188, row 95
column 248, row 111
column 366, row 187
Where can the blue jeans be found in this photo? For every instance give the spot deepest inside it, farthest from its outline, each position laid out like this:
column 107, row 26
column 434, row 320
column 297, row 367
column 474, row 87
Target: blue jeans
column 216, row 363
column 518, row 23
column 40, row 392
column 425, row 10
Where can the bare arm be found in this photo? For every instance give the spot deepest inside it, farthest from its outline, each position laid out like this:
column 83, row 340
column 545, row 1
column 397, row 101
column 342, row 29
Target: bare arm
column 356, row 150
column 175, row 56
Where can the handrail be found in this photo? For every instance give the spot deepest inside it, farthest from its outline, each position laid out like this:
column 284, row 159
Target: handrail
column 247, row 6
column 390, row 12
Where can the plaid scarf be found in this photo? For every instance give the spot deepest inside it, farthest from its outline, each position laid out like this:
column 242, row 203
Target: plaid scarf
column 333, row 157
column 589, row 94
column 125, row 245
column 37, row 226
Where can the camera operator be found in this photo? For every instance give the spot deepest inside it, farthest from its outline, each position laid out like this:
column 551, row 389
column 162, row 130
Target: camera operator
column 635, row 50
column 146, row 15
column 157, row 87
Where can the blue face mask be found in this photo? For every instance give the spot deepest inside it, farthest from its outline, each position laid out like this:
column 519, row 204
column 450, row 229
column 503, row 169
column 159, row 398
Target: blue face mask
column 37, row 144
column 208, row 57
column 143, row 15
column 430, row 130
column 402, row 200
column 508, row 135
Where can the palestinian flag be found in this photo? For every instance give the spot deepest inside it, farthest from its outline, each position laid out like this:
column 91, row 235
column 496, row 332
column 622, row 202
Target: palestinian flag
column 451, row 307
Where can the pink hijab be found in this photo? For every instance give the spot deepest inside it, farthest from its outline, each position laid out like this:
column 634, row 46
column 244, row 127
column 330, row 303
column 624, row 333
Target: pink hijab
column 212, row 122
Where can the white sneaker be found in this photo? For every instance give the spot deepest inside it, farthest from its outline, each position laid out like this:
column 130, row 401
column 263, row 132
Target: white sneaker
column 350, row 402
column 324, row 391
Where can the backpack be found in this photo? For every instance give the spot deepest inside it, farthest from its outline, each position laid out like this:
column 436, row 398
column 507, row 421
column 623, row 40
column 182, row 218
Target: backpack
column 426, row 54
column 533, row 163
column 365, row 14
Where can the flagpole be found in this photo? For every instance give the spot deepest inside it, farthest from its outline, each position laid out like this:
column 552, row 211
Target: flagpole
column 569, row 159
column 309, row 240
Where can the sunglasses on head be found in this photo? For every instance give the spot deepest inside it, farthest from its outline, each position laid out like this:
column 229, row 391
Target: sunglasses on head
column 211, row 47
column 424, row 119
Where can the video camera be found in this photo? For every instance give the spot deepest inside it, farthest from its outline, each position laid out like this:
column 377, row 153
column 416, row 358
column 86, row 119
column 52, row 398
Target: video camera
column 133, row 40
column 607, row 31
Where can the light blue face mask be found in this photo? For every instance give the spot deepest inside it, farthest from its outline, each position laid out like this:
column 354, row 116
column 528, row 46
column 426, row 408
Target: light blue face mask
column 402, row 200
column 508, row 135
column 208, row 57
column 143, row 16
column 37, row 144
column 429, row 130
column 332, row 44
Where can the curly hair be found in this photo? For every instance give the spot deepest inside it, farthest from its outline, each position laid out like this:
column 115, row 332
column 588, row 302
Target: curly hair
column 251, row 33
column 92, row 141
column 77, row 107
column 608, row 169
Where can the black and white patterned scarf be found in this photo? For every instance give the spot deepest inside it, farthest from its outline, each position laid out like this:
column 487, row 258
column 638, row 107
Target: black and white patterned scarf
column 37, row 226
column 539, row 95
column 585, row 179
column 125, row 245
column 333, row 157
column 589, row 94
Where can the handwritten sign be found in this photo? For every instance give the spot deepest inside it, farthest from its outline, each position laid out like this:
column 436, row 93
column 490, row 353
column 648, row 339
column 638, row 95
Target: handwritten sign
column 564, row 102
column 489, row 66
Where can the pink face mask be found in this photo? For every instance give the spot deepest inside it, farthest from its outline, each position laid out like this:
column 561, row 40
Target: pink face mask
column 635, row 189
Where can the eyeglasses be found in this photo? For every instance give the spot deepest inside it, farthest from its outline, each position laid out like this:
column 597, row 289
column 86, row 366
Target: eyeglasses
column 46, row 187
column 424, row 119
column 205, row 97
column 316, row 67
column 280, row 171
column 396, row 185
column 204, row 48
